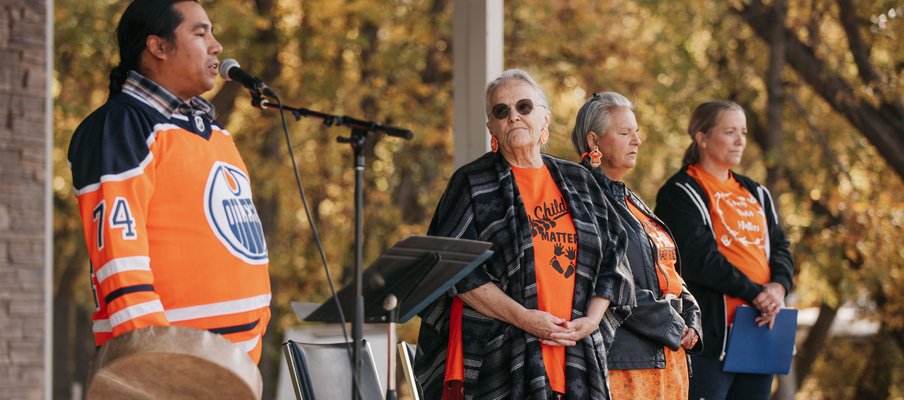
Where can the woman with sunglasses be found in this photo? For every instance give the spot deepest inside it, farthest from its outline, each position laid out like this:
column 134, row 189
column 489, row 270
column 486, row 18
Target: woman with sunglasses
column 647, row 360
column 527, row 323
column 732, row 247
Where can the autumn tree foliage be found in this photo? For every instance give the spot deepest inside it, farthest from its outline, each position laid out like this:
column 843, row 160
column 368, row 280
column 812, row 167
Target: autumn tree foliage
column 820, row 80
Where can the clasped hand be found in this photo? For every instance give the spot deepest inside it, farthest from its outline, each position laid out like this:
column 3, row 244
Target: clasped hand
column 689, row 338
column 554, row 331
column 769, row 302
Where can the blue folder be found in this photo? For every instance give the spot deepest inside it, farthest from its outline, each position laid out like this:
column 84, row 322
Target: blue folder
column 757, row 349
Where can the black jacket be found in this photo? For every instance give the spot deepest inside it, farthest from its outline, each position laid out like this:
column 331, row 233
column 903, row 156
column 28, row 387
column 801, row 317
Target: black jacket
column 655, row 322
column 684, row 206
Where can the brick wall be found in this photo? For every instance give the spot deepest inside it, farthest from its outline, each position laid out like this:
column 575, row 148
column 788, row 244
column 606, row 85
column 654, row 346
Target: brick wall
column 23, row 85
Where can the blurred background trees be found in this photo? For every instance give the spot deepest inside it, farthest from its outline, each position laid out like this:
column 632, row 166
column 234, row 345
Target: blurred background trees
column 821, row 80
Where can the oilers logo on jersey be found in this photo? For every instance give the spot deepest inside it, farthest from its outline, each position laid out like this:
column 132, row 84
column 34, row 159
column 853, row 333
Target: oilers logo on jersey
column 232, row 215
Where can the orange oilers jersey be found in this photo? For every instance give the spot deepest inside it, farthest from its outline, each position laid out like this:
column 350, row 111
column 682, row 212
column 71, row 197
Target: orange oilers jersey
column 172, row 232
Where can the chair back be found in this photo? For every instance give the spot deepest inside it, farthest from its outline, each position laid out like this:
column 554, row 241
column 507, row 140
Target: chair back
column 323, row 371
column 406, row 356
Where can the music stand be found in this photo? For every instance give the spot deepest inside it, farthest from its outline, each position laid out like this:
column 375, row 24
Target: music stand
column 401, row 282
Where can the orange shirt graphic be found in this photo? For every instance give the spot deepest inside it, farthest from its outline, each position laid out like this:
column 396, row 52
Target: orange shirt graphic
column 555, row 255
column 739, row 226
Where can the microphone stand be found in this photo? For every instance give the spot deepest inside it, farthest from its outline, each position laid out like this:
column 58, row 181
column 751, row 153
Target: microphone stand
column 330, row 119
column 359, row 131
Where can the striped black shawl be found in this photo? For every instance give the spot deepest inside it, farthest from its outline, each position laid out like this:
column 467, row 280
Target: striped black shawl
column 482, row 202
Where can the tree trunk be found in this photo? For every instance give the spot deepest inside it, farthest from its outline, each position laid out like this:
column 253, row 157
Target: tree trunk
column 62, row 345
column 772, row 140
column 881, row 126
column 64, row 337
column 410, row 185
column 815, row 343
column 85, row 349
column 876, row 379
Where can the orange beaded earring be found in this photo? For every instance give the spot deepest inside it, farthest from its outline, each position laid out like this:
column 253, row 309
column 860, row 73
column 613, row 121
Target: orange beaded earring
column 596, row 157
column 494, row 144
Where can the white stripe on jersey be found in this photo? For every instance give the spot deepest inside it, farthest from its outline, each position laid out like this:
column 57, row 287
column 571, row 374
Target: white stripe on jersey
column 125, row 175
column 248, row 345
column 123, row 264
column 117, row 177
column 193, row 312
column 217, row 309
column 132, row 312
column 101, row 326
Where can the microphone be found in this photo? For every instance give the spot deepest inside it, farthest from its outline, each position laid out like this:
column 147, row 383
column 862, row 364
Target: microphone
column 231, row 71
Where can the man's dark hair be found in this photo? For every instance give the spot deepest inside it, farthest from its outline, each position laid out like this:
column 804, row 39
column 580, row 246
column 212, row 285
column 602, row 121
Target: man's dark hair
column 141, row 19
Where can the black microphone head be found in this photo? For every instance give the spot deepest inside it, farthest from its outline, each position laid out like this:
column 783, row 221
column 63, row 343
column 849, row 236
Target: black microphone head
column 226, row 65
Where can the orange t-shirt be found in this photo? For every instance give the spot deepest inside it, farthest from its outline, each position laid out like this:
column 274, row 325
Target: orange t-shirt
column 653, row 383
column 555, row 256
column 555, row 259
column 739, row 226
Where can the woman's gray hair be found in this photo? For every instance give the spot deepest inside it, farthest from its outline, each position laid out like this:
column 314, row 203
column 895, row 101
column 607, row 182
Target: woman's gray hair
column 595, row 115
column 513, row 73
column 704, row 118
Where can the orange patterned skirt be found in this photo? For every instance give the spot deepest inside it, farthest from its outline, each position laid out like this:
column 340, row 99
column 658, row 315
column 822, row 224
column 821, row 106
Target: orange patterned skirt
column 654, row 383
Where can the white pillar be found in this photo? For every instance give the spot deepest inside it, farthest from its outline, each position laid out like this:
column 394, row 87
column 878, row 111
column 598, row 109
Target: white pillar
column 477, row 59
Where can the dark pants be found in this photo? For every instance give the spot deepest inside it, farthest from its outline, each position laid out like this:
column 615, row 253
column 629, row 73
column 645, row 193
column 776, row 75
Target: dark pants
column 710, row 383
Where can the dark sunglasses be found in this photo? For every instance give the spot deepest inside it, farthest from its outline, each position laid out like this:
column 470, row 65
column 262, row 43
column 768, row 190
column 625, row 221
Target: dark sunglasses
column 523, row 106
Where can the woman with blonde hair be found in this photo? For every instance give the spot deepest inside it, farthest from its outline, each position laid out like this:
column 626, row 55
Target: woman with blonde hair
column 732, row 248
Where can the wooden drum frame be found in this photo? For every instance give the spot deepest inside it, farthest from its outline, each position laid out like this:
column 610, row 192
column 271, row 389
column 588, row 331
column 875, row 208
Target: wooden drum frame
column 172, row 362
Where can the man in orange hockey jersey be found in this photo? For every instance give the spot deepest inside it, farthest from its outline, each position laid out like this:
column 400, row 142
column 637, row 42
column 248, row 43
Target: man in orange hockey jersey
column 165, row 198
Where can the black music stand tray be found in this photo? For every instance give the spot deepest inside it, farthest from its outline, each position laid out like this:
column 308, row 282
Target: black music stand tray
column 404, row 280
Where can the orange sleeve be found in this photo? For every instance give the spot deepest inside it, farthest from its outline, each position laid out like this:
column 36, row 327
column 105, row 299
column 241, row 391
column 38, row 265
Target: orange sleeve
column 114, row 214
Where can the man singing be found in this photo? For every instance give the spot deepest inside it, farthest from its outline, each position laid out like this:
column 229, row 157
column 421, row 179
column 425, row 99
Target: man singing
column 165, row 199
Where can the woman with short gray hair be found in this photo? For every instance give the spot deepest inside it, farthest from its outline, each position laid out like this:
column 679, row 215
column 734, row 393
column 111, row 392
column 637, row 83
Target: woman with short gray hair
column 647, row 360
column 528, row 323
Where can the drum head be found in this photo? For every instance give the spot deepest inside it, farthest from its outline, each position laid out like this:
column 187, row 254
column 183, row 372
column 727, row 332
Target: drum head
column 169, row 362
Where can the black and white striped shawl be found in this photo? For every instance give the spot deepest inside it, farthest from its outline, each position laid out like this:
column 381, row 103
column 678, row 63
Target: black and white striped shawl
column 482, row 202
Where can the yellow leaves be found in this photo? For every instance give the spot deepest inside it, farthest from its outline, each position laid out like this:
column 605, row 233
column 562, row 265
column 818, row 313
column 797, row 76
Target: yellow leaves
column 327, row 208
column 815, row 194
column 665, row 56
column 698, row 46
